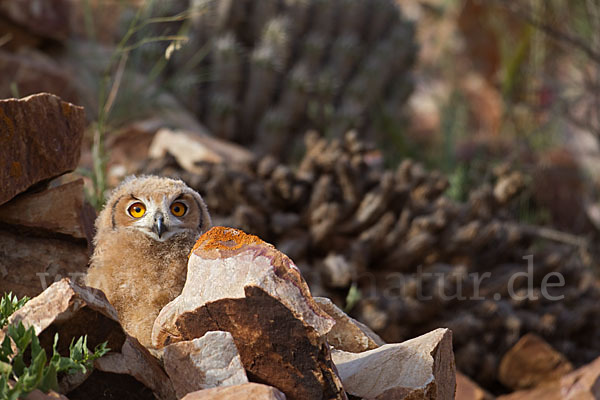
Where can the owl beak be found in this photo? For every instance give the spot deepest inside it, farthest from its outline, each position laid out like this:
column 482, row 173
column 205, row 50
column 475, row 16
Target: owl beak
column 159, row 227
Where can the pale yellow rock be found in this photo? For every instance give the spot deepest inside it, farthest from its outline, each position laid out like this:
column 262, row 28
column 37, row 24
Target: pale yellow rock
column 420, row 368
column 190, row 148
column 204, row 363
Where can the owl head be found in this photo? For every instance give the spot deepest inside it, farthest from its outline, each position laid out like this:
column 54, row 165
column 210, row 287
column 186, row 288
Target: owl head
column 158, row 207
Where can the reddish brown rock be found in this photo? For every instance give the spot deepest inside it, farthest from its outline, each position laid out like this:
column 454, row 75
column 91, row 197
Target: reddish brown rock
column 73, row 311
column 581, row 384
column 532, row 362
column 204, row 363
column 348, row 334
column 40, row 138
column 466, row 389
column 420, row 368
column 44, row 237
column 240, row 284
column 30, row 71
column 45, row 18
column 254, row 391
column 61, row 209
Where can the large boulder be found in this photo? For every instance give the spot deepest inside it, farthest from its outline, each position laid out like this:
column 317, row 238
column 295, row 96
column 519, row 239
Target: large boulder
column 240, row 284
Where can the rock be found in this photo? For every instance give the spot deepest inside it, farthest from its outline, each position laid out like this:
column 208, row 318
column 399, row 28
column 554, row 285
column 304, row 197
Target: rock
column 581, row 384
column 30, row 71
column 466, row 389
column 420, row 368
column 40, row 138
column 190, row 149
column 531, row 362
column 73, row 311
column 45, row 18
column 240, row 284
column 44, row 237
column 254, row 391
column 39, row 395
column 61, row 209
column 204, row 363
column 348, row 334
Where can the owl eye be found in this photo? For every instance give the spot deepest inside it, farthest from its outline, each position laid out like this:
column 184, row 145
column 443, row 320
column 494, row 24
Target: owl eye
column 137, row 210
column 178, row 209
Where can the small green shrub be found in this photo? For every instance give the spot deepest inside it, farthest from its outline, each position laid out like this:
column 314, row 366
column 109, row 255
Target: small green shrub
column 8, row 305
column 25, row 363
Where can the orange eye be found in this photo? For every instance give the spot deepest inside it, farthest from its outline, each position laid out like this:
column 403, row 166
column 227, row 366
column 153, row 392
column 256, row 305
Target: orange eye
column 178, row 209
column 137, row 210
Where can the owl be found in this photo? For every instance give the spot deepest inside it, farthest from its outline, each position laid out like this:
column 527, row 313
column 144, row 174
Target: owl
column 143, row 238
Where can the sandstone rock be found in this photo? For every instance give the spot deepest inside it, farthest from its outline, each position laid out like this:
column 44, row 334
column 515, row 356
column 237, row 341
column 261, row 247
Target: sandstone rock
column 581, row 384
column 254, row 391
column 72, row 311
column 466, row 389
column 238, row 283
column 191, row 148
column 531, row 362
column 40, row 138
column 62, row 209
column 204, row 363
column 420, row 368
column 44, row 237
column 348, row 334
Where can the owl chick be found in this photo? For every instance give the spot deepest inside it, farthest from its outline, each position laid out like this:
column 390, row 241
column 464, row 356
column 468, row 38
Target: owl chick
column 143, row 237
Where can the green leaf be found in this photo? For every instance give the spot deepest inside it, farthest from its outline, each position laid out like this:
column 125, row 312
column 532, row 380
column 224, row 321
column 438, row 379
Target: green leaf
column 5, row 368
column 8, row 305
column 5, row 349
column 49, row 379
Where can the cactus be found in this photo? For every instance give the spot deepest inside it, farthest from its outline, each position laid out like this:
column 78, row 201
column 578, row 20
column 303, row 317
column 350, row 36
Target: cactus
column 280, row 68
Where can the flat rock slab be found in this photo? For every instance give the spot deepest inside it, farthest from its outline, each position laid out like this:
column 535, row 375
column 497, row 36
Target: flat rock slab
column 44, row 237
column 40, row 139
column 348, row 334
column 240, row 284
column 73, row 311
column 204, row 363
column 254, row 391
column 420, row 368
column 61, row 210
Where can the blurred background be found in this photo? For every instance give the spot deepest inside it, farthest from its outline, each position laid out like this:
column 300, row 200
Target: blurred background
column 387, row 147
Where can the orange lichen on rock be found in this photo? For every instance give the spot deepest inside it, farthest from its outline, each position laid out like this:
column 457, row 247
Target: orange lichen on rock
column 223, row 238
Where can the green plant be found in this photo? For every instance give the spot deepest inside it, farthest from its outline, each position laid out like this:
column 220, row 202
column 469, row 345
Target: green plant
column 8, row 305
column 41, row 373
column 24, row 365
